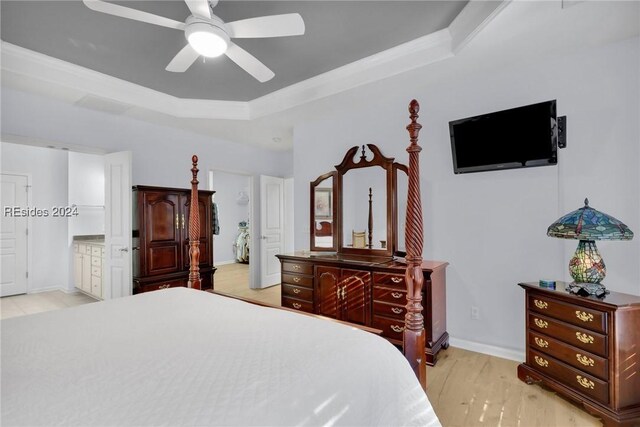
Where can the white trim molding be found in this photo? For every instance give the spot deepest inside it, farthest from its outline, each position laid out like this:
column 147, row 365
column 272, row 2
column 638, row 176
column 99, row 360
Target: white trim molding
column 22, row 64
column 491, row 350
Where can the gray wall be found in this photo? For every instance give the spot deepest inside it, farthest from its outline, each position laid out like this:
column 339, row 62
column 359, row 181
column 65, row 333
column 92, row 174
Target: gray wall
column 491, row 226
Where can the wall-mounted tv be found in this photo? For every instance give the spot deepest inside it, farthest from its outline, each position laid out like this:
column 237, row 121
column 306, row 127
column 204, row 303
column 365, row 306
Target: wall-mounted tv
column 516, row 138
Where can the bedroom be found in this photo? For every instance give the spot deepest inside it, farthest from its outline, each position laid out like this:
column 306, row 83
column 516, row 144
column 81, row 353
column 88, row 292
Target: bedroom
column 490, row 227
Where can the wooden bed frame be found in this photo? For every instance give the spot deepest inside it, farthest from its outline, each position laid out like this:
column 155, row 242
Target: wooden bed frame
column 414, row 332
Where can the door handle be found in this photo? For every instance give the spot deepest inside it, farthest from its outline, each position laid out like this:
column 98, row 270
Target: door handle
column 263, row 237
column 177, row 221
column 125, row 249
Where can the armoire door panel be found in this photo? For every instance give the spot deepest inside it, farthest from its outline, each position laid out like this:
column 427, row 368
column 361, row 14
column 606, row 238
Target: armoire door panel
column 162, row 215
column 328, row 295
column 356, row 301
column 163, row 259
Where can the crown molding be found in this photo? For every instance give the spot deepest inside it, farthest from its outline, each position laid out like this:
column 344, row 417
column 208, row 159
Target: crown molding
column 422, row 51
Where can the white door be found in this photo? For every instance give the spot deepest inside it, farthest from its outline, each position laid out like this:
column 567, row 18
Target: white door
column 271, row 228
column 13, row 236
column 117, row 229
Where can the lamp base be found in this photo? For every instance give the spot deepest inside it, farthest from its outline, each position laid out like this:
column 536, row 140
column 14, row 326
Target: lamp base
column 586, row 289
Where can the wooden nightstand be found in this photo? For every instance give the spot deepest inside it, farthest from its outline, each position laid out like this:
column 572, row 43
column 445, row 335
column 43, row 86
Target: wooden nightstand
column 586, row 349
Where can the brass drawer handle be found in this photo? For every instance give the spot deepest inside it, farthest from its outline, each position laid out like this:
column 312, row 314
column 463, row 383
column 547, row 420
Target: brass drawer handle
column 183, row 221
column 540, row 304
column 587, row 339
column 177, row 221
column 396, row 279
column 396, row 295
column 585, row 382
column 296, row 279
column 586, row 361
column 396, row 310
column 338, row 292
column 296, row 267
column 164, row 286
column 344, row 292
column 541, row 343
column 585, row 317
column 396, row 328
column 542, row 362
column 541, row 323
column 296, row 290
column 297, row 306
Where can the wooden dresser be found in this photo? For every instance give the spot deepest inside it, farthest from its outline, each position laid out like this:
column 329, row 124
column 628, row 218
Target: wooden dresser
column 366, row 291
column 586, row 349
column 161, row 238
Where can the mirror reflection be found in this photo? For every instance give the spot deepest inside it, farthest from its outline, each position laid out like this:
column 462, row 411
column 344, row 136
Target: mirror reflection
column 364, row 208
column 322, row 233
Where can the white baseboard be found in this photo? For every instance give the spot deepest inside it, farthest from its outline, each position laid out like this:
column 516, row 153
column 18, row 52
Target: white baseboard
column 217, row 263
column 492, row 350
column 53, row 288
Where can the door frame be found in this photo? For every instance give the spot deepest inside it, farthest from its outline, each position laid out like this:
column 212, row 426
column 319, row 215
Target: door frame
column 29, row 223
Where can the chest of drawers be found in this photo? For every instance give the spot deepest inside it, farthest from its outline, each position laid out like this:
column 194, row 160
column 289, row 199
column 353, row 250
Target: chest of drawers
column 586, row 349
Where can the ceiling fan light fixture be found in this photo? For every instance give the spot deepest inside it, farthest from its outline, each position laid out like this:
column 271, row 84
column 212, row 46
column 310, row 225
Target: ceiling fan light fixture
column 206, row 38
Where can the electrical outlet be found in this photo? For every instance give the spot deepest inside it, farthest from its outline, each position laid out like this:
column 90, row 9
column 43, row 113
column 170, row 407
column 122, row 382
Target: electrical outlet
column 475, row 312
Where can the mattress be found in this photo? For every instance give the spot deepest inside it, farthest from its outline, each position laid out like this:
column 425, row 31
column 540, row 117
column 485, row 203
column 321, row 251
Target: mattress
column 185, row 357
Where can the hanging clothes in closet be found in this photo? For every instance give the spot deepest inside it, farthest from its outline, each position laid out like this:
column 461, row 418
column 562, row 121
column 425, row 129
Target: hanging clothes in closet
column 242, row 243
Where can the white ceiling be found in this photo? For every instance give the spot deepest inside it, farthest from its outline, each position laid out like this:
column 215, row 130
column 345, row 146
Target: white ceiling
column 487, row 35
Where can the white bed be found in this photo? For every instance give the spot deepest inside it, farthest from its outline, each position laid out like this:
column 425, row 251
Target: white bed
column 186, row 357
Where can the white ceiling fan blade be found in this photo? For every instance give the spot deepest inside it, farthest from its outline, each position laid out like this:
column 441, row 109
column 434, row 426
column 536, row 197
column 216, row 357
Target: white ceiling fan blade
column 136, row 15
column 289, row 24
column 249, row 63
column 199, row 8
column 183, row 60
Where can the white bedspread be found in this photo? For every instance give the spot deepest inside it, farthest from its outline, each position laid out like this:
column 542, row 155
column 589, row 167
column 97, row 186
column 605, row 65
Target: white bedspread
column 185, row 357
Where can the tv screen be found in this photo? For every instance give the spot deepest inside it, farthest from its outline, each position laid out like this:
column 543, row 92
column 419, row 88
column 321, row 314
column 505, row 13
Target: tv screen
column 516, row 138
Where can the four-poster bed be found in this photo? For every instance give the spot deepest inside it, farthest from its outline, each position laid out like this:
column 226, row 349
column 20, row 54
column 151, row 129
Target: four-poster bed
column 181, row 356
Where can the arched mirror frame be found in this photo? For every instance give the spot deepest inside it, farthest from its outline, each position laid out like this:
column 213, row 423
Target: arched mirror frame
column 334, row 212
column 391, row 178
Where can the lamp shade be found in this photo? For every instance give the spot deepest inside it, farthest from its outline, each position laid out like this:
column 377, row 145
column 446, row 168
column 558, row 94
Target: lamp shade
column 587, row 223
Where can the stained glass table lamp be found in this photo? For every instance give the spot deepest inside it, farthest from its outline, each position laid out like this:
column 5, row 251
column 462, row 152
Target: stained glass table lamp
column 588, row 225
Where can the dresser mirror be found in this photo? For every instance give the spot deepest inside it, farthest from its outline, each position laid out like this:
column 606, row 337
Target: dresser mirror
column 323, row 213
column 354, row 209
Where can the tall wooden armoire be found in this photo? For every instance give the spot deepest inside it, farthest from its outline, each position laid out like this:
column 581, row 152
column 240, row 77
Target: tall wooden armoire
column 161, row 238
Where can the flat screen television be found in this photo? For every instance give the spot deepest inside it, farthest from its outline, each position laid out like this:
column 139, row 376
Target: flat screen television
column 516, row 138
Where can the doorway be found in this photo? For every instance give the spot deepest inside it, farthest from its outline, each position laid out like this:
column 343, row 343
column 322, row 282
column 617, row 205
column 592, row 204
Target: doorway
column 232, row 231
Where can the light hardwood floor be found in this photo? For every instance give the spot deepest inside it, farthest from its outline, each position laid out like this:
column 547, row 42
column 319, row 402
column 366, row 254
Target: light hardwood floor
column 234, row 279
column 466, row 389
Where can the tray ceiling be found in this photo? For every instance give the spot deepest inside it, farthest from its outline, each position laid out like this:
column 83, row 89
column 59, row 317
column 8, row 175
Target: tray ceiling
column 337, row 33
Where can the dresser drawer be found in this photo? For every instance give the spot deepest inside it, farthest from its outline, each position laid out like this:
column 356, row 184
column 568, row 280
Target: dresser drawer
column 298, row 267
column 96, row 271
column 390, row 280
column 394, row 296
column 297, row 280
column 176, row 283
column 297, row 292
column 297, row 304
column 582, row 338
column 95, row 261
column 390, row 310
column 574, row 378
column 584, row 317
column 391, row 328
column 578, row 358
column 96, row 251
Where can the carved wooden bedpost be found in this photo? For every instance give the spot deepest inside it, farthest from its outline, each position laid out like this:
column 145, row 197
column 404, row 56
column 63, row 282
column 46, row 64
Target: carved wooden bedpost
column 414, row 333
column 194, row 230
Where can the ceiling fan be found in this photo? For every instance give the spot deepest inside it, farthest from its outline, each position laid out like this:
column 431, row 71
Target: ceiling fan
column 210, row 36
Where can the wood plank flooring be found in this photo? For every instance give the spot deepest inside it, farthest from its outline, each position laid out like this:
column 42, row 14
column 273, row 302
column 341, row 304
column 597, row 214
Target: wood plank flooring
column 472, row 389
column 234, row 279
column 466, row 389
